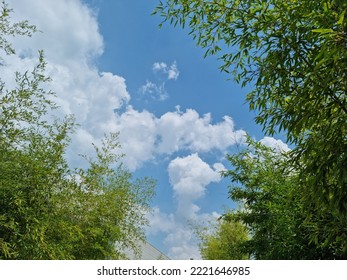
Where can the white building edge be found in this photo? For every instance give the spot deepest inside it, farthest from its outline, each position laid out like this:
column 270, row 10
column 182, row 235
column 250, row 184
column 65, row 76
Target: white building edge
column 146, row 252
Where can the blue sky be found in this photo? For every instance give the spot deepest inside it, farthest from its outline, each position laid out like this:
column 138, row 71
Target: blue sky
column 177, row 114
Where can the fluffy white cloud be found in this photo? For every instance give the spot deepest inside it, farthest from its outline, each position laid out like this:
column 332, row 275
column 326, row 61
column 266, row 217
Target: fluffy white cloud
column 137, row 135
column 219, row 167
column 187, row 130
column 144, row 136
column 276, row 144
column 69, row 29
column 173, row 72
column 190, row 175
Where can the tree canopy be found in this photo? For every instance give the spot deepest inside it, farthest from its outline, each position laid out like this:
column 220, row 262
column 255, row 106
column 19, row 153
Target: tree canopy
column 47, row 209
column 224, row 241
column 294, row 56
column 281, row 224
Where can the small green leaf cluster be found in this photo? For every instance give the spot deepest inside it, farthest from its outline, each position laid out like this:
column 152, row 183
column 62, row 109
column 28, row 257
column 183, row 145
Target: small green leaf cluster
column 224, row 242
column 8, row 29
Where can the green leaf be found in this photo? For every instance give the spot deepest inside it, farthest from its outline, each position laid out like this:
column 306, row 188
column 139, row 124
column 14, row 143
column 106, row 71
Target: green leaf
column 341, row 18
column 323, row 30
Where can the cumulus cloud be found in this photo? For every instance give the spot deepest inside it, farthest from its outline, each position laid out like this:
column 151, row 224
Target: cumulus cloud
column 69, row 28
column 277, row 144
column 189, row 177
column 188, row 130
column 173, row 72
column 144, row 136
column 137, row 135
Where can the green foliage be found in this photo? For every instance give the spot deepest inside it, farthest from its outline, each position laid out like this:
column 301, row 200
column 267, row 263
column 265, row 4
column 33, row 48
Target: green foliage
column 112, row 207
column 47, row 210
column 7, row 29
column 225, row 242
column 293, row 53
column 281, row 224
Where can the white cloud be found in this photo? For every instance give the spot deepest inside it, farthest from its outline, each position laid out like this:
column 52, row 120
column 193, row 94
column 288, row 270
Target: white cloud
column 276, row 144
column 190, row 175
column 171, row 71
column 160, row 222
column 69, row 29
column 188, row 130
column 179, row 234
column 155, row 91
column 144, row 136
column 137, row 135
column 159, row 66
column 183, row 244
column 179, row 237
column 219, row 167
